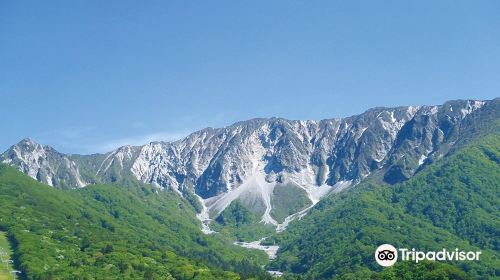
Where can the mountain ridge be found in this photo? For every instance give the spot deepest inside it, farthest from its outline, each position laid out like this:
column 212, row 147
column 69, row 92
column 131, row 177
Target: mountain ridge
column 246, row 160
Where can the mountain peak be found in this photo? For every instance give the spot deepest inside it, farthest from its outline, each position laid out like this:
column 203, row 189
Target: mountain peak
column 249, row 159
column 28, row 142
column 44, row 164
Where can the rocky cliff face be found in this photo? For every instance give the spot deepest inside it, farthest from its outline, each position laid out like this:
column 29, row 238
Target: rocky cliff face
column 44, row 164
column 248, row 159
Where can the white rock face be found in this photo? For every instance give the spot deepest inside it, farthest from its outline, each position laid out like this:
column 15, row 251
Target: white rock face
column 44, row 164
column 246, row 160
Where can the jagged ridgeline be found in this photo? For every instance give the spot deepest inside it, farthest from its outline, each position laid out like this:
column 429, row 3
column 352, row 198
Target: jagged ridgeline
column 252, row 161
column 454, row 203
column 425, row 176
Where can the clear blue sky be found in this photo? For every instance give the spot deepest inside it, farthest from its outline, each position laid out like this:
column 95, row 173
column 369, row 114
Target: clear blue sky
column 87, row 76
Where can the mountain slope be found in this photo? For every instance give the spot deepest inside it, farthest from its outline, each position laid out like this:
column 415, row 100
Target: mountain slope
column 247, row 160
column 452, row 204
column 427, row 178
column 44, row 164
column 112, row 232
column 6, row 257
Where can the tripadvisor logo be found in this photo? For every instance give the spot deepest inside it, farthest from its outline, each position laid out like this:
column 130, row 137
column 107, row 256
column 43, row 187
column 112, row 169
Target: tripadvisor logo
column 387, row 255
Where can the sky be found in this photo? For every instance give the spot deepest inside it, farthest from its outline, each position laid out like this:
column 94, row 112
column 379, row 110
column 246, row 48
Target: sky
column 89, row 76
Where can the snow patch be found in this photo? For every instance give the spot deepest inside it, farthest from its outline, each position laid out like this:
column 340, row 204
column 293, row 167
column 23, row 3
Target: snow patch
column 422, row 160
column 434, row 110
column 471, row 107
column 393, row 119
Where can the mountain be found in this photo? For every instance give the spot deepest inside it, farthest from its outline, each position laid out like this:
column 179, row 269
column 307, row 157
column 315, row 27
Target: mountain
column 44, row 164
column 425, row 177
column 454, row 203
column 254, row 161
column 112, row 232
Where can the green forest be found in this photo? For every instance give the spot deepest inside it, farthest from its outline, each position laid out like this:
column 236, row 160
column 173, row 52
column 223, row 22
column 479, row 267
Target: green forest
column 454, row 203
column 130, row 230
column 6, row 269
column 113, row 232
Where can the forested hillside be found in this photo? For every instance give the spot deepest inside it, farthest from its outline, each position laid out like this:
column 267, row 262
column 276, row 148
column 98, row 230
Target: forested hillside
column 131, row 230
column 112, row 232
column 455, row 203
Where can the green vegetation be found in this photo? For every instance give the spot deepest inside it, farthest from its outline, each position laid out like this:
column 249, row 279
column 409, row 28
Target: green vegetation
column 236, row 214
column 238, row 222
column 134, row 231
column 454, row 203
column 425, row 270
column 288, row 199
column 5, row 257
column 112, row 232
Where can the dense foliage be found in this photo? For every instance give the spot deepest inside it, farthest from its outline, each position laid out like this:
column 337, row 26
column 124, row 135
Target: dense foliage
column 452, row 204
column 133, row 231
column 239, row 222
column 5, row 258
column 106, row 231
column 236, row 214
column 288, row 199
